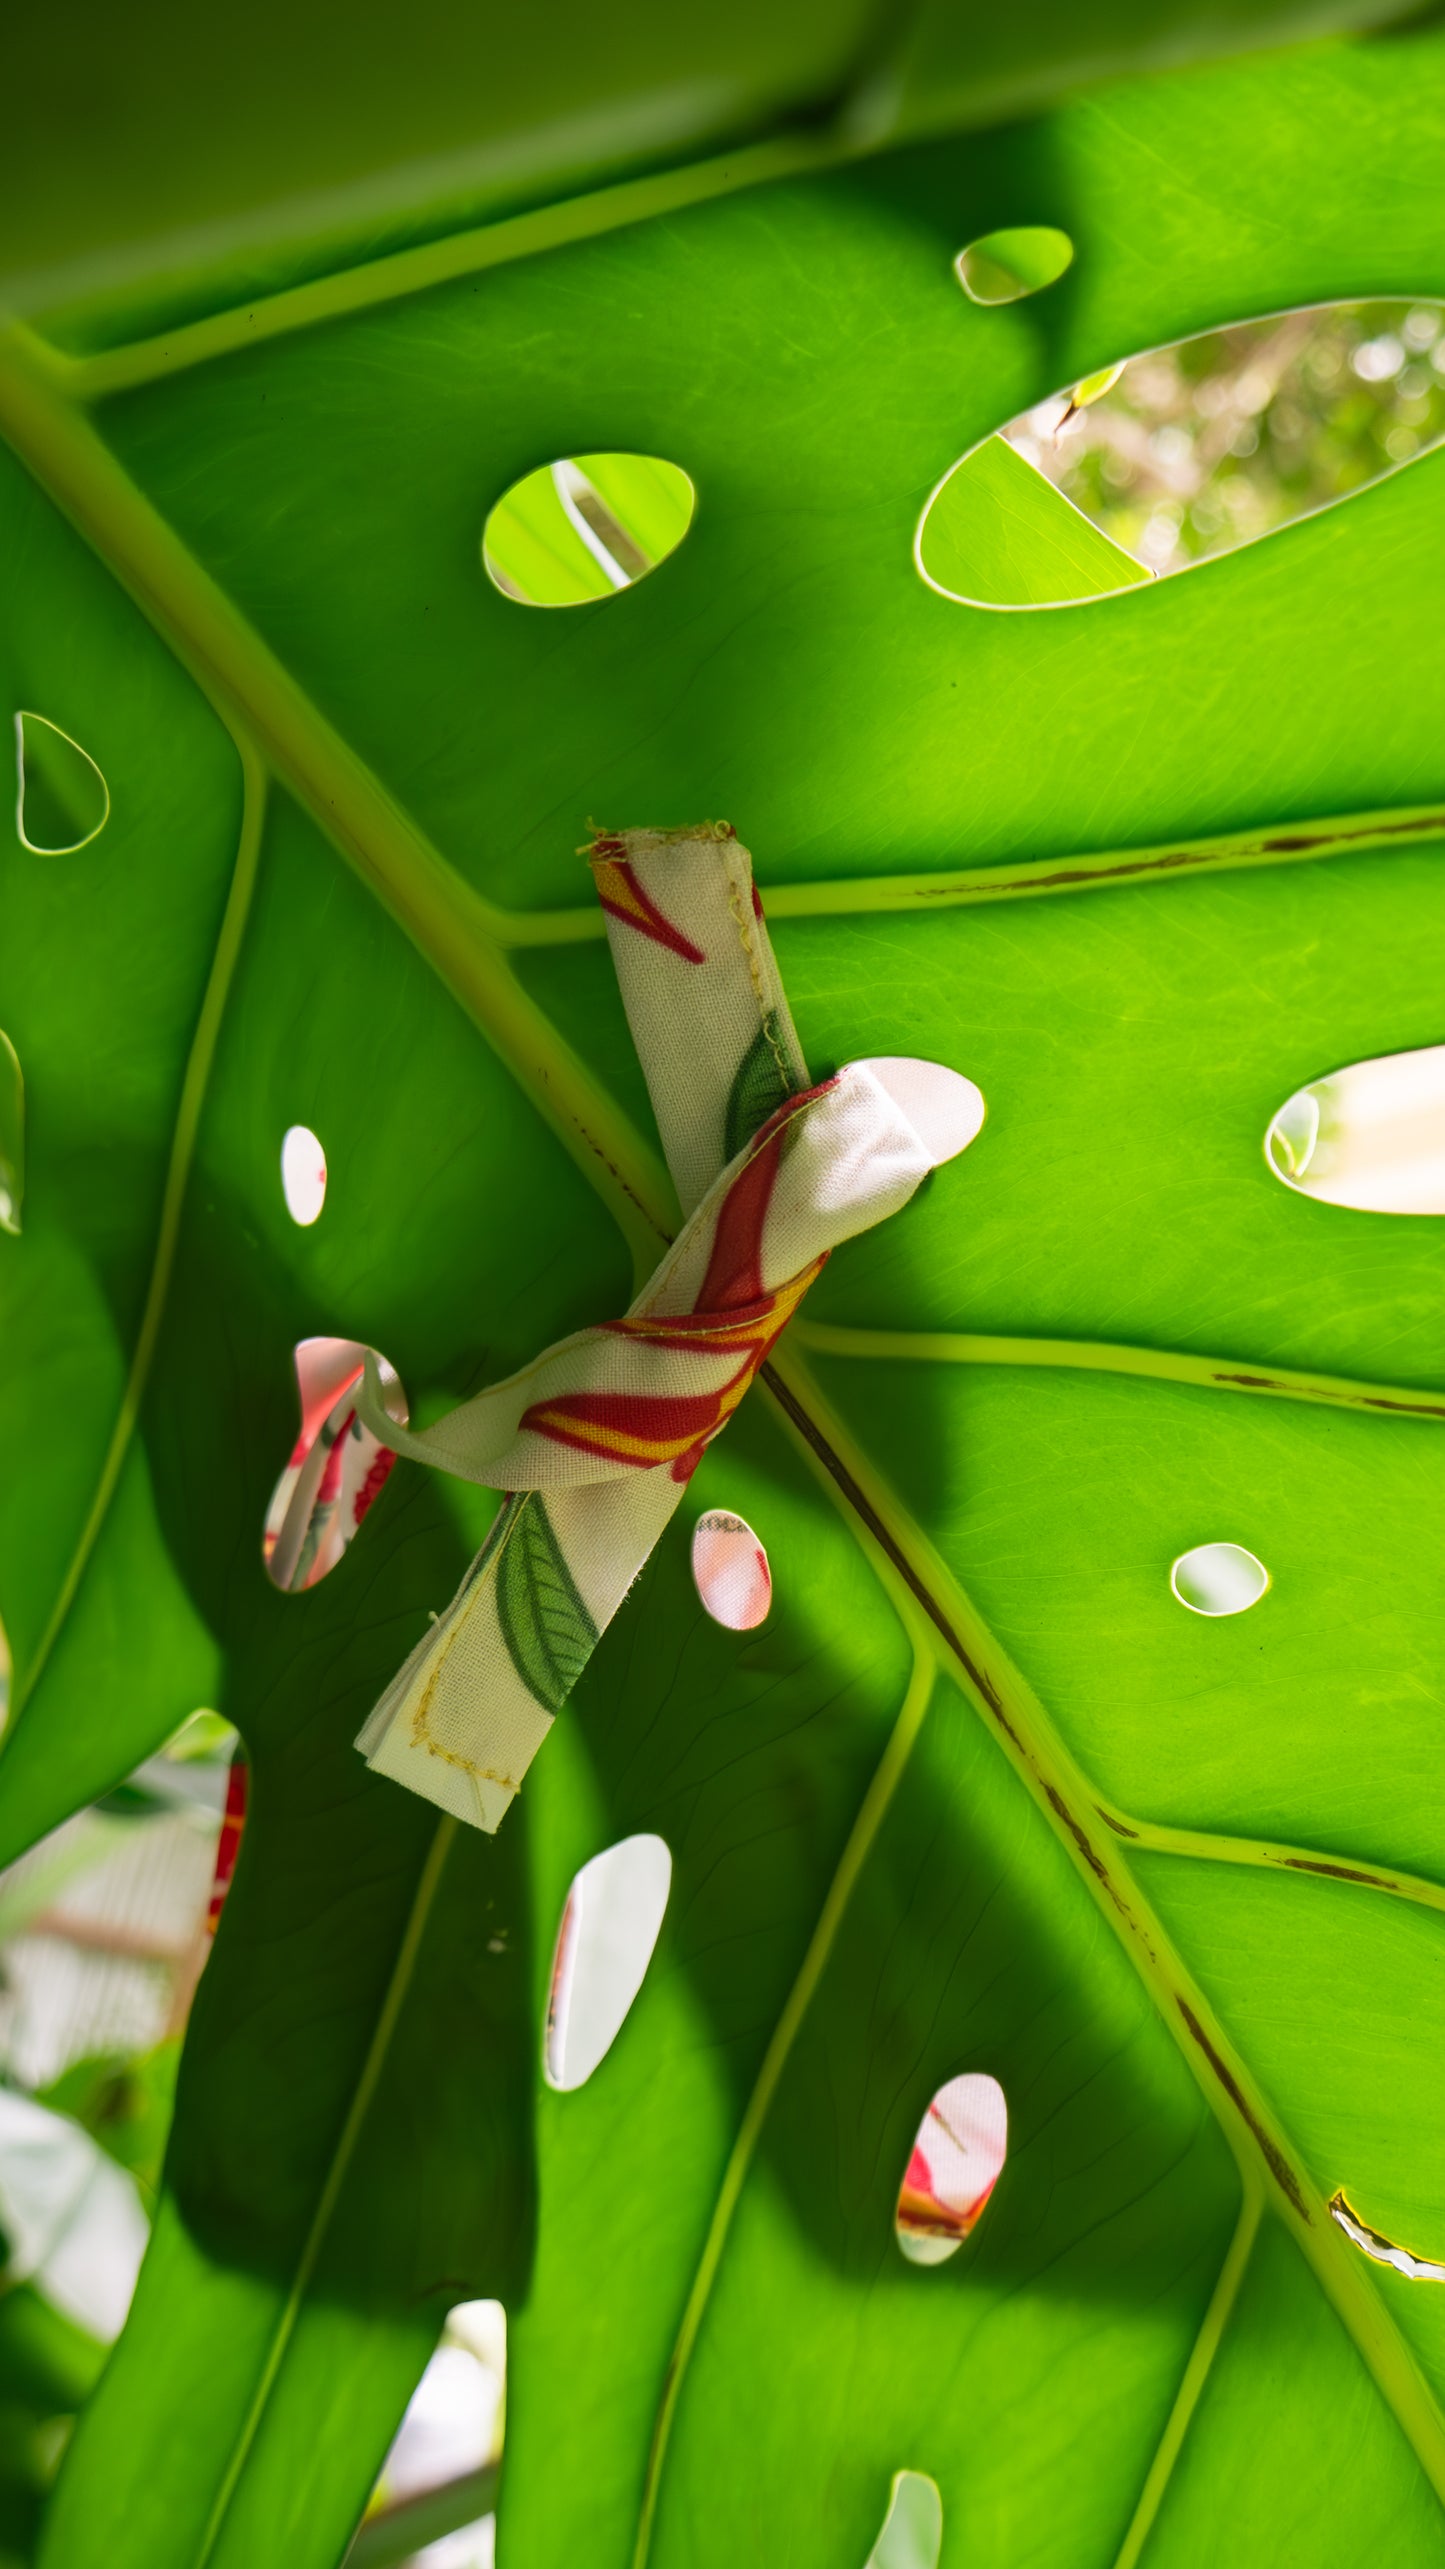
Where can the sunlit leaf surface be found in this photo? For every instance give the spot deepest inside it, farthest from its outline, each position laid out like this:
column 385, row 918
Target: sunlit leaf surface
column 980, row 1797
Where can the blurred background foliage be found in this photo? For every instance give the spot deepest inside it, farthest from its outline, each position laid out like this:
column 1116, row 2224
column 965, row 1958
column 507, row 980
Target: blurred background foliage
column 157, row 140
column 1197, row 448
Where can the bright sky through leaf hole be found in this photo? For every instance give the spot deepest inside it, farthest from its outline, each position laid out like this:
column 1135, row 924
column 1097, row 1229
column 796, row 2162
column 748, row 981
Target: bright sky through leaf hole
column 303, row 1174
column 1370, row 1136
column 1218, row 1579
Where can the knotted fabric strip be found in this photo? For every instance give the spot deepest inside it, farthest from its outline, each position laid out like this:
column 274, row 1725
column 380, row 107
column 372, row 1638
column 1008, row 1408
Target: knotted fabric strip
column 594, row 1442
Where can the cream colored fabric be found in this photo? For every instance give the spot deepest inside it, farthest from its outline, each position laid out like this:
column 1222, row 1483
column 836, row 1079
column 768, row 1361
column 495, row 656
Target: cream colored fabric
column 845, row 1157
column 595, row 1440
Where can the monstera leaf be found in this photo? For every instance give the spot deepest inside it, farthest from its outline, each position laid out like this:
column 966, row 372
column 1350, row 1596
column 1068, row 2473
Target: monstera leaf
column 980, row 1795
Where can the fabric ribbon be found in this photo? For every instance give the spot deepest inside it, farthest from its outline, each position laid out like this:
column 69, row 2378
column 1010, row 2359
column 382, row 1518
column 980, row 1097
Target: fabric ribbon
column 594, row 1442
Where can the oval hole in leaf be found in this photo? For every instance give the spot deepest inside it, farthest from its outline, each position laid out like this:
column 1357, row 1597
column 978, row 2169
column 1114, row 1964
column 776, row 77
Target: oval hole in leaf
column 1218, row 1579
column 303, row 1174
column 912, row 2534
column 12, row 1137
column 1163, row 460
column 730, row 1571
column 62, row 801
column 1005, row 266
column 337, row 1467
column 585, row 527
column 960, row 2149
column 610, row 1923
column 1371, row 1136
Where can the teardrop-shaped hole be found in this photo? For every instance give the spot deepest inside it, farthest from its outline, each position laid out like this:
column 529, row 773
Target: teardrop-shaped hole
column 1371, row 1136
column 1159, row 462
column 303, row 1174
column 730, row 1571
column 12, row 1137
column 62, row 801
column 585, row 527
column 611, row 1921
column 912, row 2534
column 1218, row 1579
column 945, row 1109
column 960, row 2149
column 337, row 1470
column 1004, row 266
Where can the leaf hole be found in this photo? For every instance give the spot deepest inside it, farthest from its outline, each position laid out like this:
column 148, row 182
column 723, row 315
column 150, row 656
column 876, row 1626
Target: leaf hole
column 955, row 2164
column 1370, row 1137
column 611, row 1921
column 1165, row 460
column 1005, row 266
column 74, row 2223
column 62, row 801
column 730, row 1571
column 450, row 2436
column 1218, row 1579
column 12, row 1137
column 303, row 1174
column 1385, row 2251
column 585, row 527
column 912, row 2531
column 337, row 1469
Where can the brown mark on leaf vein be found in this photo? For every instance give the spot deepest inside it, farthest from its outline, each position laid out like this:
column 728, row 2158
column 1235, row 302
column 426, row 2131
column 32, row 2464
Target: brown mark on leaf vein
column 1340, row 1872
column 1322, row 1391
column 1087, row 1848
column 1274, row 2158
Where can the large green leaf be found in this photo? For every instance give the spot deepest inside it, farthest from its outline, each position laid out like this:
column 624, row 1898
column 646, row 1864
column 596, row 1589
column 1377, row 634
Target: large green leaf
column 979, row 1794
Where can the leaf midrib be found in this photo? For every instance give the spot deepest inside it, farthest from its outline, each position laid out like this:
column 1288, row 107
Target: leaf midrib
column 457, row 933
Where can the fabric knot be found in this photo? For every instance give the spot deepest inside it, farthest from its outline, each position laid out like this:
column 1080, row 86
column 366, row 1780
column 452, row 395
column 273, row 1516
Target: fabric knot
column 593, row 1442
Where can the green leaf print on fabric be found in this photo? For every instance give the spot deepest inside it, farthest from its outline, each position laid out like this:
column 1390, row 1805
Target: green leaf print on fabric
column 761, row 1086
column 545, row 1624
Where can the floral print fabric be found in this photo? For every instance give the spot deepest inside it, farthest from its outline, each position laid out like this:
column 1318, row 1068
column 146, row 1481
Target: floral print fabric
column 594, row 1442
